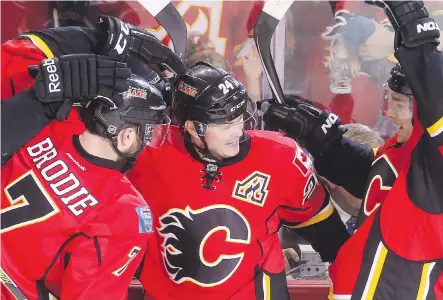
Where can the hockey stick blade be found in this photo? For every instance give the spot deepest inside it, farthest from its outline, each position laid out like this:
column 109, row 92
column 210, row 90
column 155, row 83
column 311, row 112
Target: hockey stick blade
column 273, row 11
column 171, row 20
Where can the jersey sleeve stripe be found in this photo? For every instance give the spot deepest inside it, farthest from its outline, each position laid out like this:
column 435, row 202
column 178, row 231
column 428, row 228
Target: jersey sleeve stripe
column 321, row 216
column 38, row 42
column 375, row 150
column 266, row 286
column 436, row 128
column 424, row 280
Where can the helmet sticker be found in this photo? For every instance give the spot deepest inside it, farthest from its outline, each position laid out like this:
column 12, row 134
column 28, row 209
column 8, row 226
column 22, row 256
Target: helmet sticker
column 187, row 89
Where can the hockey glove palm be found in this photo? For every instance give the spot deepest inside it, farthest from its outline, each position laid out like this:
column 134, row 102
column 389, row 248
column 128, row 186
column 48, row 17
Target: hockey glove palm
column 411, row 21
column 78, row 78
column 312, row 128
column 122, row 40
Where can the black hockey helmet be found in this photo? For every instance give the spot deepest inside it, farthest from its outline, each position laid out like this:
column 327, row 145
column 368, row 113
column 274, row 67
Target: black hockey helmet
column 210, row 95
column 398, row 82
column 143, row 107
column 152, row 74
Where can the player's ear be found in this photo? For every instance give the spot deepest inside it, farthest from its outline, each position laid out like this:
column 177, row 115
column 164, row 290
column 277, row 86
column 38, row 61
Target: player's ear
column 190, row 127
column 128, row 140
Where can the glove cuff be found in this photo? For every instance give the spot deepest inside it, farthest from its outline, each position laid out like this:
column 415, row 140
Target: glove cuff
column 422, row 31
column 49, row 82
column 114, row 37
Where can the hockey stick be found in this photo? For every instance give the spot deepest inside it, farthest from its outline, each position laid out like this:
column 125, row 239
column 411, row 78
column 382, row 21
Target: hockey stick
column 273, row 11
column 168, row 16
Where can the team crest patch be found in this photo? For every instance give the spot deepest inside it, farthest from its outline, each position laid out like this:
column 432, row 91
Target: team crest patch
column 144, row 219
column 187, row 89
column 252, row 189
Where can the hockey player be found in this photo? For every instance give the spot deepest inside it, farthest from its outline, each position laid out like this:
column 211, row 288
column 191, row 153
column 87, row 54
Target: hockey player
column 57, row 87
column 72, row 225
column 219, row 194
column 112, row 37
column 397, row 251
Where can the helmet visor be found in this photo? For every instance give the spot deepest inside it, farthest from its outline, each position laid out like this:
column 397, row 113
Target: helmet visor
column 234, row 129
column 154, row 135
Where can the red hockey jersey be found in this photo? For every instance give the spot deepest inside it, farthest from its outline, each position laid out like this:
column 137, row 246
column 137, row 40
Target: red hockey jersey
column 71, row 224
column 388, row 160
column 397, row 252
column 17, row 55
column 223, row 243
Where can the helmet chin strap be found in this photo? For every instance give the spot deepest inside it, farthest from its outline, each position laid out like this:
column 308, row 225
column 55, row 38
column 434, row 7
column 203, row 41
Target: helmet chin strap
column 212, row 164
column 204, row 151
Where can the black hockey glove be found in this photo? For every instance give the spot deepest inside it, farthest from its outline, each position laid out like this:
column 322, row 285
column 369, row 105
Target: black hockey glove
column 156, row 78
column 312, row 128
column 122, row 40
column 78, row 78
column 411, row 22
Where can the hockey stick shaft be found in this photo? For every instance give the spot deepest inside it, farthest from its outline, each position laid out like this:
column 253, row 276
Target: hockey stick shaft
column 272, row 13
column 171, row 20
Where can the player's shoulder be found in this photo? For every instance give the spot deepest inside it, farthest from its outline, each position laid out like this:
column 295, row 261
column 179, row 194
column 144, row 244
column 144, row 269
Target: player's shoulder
column 127, row 194
column 121, row 195
column 61, row 130
column 124, row 210
column 285, row 152
column 272, row 139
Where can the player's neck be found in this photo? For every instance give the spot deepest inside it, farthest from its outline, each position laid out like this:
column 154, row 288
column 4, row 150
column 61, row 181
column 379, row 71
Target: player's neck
column 97, row 146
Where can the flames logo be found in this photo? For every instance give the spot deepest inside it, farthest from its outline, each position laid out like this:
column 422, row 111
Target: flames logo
column 185, row 233
column 383, row 175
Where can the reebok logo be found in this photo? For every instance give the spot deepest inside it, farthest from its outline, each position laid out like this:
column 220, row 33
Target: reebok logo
column 75, row 162
column 54, row 79
column 428, row 26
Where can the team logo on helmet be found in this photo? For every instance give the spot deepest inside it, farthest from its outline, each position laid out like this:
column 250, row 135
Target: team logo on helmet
column 187, row 89
column 138, row 92
column 252, row 189
column 186, row 248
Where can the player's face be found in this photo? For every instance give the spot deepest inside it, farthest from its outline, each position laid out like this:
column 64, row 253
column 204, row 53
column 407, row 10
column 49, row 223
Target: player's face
column 223, row 140
column 399, row 109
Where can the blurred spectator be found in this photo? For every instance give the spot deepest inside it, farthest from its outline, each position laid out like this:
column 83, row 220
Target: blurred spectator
column 364, row 135
column 199, row 48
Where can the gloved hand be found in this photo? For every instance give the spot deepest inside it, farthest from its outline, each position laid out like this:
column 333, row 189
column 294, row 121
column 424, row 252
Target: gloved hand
column 155, row 77
column 124, row 41
column 312, row 128
column 78, row 78
column 411, row 21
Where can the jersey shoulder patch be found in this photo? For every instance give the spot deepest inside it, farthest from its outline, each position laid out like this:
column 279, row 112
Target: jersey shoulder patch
column 303, row 161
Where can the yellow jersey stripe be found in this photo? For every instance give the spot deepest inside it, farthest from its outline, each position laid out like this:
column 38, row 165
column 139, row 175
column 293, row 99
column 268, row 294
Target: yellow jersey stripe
column 436, row 129
column 40, row 44
column 321, row 216
column 266, row 287
column 374, row 275
column 424, row 281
